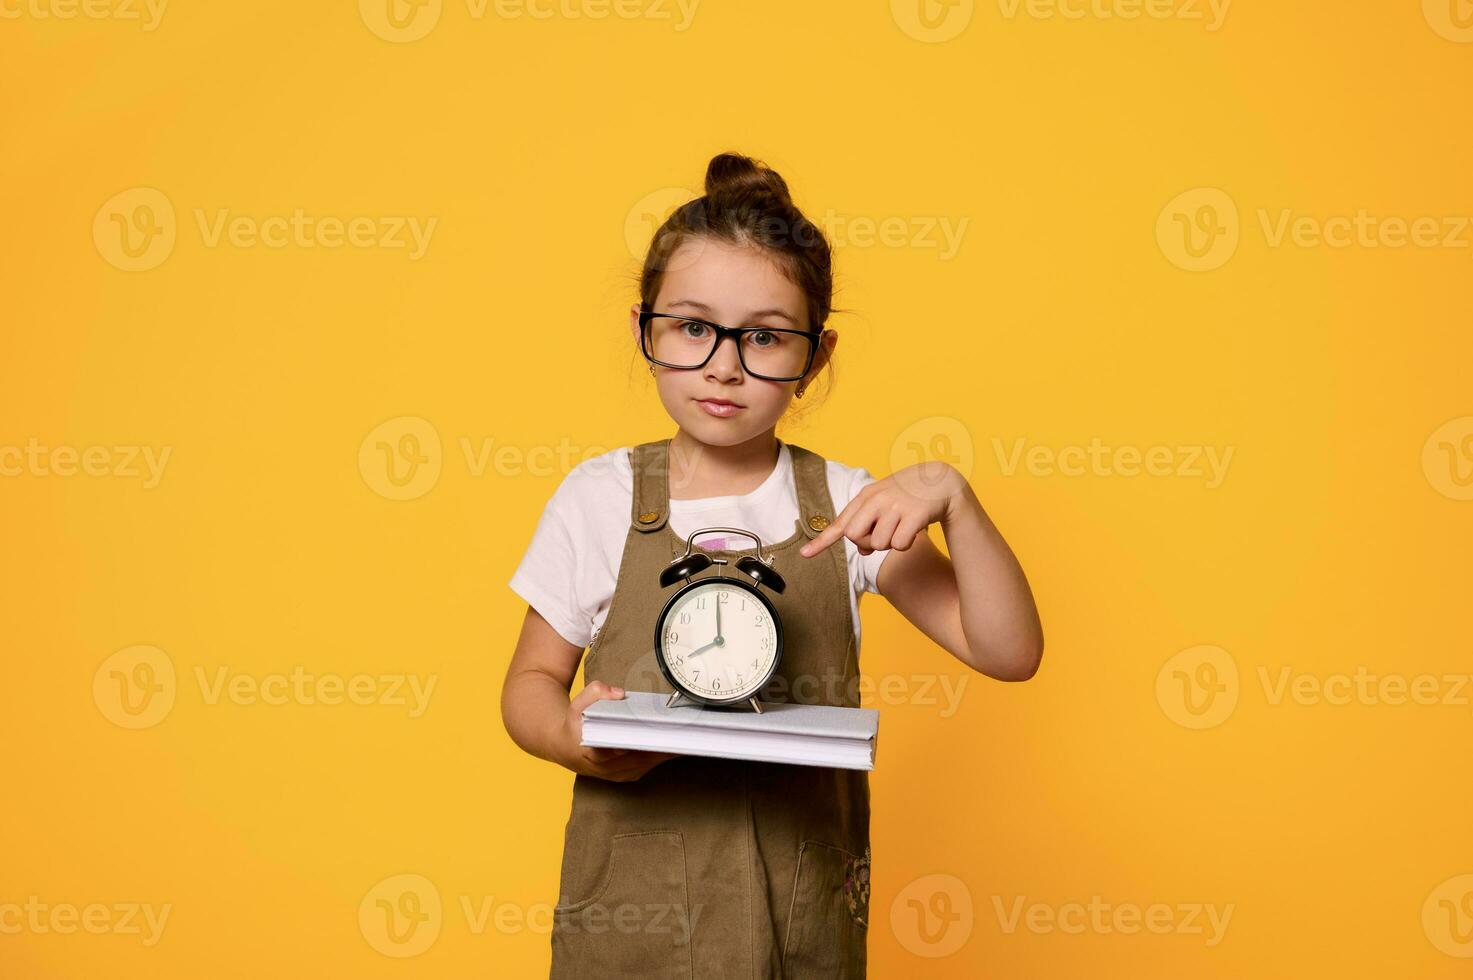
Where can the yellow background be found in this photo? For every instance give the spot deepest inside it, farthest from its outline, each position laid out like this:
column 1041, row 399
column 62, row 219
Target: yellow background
column 1334, row 541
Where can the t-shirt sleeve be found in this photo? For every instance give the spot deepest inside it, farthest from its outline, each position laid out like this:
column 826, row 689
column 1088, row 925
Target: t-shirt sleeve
column 548, row 574
column 869, row 565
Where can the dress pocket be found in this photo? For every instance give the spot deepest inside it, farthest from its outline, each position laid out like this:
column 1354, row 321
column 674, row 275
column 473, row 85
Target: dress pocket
column 636, row 922
column 828, row 921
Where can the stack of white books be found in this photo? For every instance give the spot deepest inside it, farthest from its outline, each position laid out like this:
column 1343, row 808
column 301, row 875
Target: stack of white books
column 797, row 734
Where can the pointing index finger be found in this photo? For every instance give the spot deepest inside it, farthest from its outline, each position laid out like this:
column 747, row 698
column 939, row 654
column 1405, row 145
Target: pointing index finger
column 827, row 537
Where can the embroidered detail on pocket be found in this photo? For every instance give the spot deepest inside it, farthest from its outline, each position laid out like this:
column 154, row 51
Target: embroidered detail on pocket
column 856, row 886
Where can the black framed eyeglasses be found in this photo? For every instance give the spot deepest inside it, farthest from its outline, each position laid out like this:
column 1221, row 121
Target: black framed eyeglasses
column 686, row 342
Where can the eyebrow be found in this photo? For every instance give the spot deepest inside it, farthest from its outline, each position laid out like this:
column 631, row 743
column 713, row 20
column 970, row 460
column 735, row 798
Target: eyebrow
column 754, row 315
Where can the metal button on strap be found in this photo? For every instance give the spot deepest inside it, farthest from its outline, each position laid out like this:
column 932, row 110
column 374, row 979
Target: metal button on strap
column 818, row 522
column 648, row 518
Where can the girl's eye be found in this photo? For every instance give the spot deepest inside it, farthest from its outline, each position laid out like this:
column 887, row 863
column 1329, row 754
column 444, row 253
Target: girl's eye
column 764, row 339
column 693, row 330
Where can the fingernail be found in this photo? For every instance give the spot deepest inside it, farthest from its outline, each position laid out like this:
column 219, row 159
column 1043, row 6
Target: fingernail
column 618, row 690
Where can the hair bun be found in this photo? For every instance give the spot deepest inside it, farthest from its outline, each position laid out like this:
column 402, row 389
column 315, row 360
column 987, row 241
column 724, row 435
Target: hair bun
column 732, row 174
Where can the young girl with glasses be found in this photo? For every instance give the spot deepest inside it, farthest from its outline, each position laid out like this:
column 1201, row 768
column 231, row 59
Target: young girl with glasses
column 689, row 866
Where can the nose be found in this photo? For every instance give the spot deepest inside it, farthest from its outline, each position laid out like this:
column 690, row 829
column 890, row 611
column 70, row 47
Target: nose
column 725, row 363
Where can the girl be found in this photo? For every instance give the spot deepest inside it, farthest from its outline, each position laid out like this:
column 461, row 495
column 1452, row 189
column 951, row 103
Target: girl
column 699, row 867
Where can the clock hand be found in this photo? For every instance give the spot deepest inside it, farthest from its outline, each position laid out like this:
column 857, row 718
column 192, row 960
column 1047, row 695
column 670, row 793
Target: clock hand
column 701, row 649
column 718, row 618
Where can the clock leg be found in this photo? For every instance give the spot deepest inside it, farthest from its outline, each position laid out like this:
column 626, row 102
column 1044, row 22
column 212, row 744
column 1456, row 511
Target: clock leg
column 756, row 705
column 670, row 702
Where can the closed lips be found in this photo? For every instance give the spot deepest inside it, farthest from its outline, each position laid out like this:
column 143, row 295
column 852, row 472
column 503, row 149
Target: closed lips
column 718, row 407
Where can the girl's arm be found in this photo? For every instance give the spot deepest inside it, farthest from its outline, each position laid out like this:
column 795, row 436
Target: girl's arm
column 976, row 604
column 540, row 718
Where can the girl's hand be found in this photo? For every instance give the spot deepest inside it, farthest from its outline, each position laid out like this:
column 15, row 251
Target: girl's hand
column 889, row 513
column 617, row 765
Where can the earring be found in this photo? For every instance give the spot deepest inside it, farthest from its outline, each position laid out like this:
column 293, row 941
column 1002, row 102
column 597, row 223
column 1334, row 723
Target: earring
column 652, row 370
column 799, row 392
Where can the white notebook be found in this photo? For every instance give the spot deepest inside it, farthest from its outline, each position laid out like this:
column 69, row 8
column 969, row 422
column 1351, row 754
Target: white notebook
column 797, row 734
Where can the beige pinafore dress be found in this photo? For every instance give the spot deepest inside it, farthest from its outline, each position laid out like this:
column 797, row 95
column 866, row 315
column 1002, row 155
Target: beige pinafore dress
column 715, row 868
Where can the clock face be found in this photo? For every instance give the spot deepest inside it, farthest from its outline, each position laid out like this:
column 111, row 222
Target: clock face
column 718, row 640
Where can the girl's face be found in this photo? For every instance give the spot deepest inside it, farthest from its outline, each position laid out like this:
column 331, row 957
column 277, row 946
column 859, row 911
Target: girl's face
column 735, row 287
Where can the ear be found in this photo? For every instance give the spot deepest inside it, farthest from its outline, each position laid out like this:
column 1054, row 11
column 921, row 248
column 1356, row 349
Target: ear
column 634, row 324
column 826, row 344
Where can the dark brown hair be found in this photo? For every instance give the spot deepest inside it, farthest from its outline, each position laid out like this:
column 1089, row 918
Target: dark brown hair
column 748, row 204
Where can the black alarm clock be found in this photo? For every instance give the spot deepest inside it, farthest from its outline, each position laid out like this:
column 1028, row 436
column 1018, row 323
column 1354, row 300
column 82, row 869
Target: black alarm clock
column 718, row 639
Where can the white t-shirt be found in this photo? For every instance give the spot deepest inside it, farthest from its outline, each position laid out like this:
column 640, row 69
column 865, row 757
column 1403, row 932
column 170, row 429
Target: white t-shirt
column 572, row 564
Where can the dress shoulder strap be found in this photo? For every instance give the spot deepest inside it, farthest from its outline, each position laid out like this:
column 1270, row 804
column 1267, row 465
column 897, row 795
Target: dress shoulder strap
column 651, row 505
column 815, row 503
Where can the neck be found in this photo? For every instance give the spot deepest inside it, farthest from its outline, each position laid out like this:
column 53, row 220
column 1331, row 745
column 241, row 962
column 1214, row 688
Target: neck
column 698, row 469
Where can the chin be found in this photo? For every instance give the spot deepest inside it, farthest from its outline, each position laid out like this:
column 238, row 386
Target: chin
column 717, row 432
column 724, row 432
